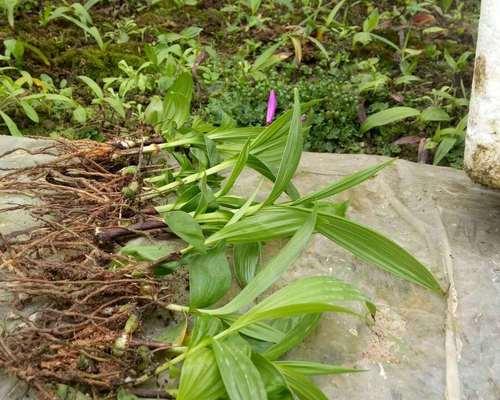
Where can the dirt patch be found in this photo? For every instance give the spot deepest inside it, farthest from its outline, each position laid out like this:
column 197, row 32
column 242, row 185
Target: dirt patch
column 384, row 341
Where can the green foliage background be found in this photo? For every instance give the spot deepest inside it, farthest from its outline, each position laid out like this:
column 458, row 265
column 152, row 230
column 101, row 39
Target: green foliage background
column 353, row 79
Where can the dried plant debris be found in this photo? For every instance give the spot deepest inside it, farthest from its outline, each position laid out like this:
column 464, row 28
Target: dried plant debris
column 71, row 301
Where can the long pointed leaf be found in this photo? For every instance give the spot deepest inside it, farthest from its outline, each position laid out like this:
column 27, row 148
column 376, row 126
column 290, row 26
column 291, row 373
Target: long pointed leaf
column 238, row 168
column 344, row 184
column 11, row 125
column 240, row 376
column 200, row 377
column 297, row 329
column 388, row 116
column 302, row 386
column 92, row 85
column 209, row 277
column 267, row 224
column 314, row 368
column 269, row 274
column 246, row 260
column 373, row 247
column 307, row 295
column 258, row 165
column 184, row 226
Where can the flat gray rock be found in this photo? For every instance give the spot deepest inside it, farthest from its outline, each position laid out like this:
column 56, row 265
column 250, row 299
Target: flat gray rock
column 421, row 346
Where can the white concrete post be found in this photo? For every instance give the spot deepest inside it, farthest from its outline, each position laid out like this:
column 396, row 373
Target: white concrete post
column 482, row 143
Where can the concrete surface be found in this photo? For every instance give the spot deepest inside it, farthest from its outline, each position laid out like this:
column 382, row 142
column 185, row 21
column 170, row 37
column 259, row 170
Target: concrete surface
column 422, row 347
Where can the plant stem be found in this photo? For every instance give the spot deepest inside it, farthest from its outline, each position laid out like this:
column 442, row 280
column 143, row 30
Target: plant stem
column 177, row 308
column 189, row 179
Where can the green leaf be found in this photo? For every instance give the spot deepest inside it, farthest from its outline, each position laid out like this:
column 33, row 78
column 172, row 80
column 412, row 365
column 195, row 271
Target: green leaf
column 206, row 198
column 116, row 104
column 462, row 124
column 269, row 223
column 254, row 5
column 344, row 184
column 296, row 329
column 29, row 111
column 406, row 79
column 209, row 277
column 122, row 394
column 450, row 61
column 435, row 114
column 237, row 169
column 276, row 130
column 302, row 386
column 14, row 47
column 291, row 155
column 37, row 52
column 190, row 32
column 371, row 22
column 257, row 165
column 200, row 377
column 446, row 4
column 80, row 115
column 373, row 247
column 445, row 145
column 314, row 368
column 146, row 252
column 10, row 8
column 11, row 125
column 332, row 14
column 362, row 37
column 260, row 330
column 339, row 209
column 212, row 152
column 240, row 212
column 52, row 97
column 246, row 260
column 94, row 32
column 240, row 376
column 389, row 116
column 177, row 102
column 269, row 274
column 320, row 46
column 204, row 326
column 154, row 111
column 65, row 392
column 90, row 3
column 267, row 58
column 276, row 386
column 184, row 226
column 96, row 89
column 306, row 295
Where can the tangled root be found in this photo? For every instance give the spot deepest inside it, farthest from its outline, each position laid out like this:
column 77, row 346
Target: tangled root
column 71, row 295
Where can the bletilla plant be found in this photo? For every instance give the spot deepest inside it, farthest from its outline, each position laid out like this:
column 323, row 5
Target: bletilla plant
column 20, row 94
column 232, row 350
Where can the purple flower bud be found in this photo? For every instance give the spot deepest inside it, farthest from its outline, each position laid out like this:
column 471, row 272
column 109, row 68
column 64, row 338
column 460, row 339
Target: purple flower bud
column 272, row 105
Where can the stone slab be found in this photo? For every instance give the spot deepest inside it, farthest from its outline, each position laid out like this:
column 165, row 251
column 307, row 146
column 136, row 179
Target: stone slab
column 421, row 346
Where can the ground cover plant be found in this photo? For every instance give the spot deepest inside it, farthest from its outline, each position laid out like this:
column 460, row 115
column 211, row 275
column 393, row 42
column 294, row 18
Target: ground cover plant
column 176, row 114
column 393, row 76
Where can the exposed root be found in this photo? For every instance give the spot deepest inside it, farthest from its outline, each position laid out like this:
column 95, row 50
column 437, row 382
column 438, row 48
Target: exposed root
column 80, row 293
